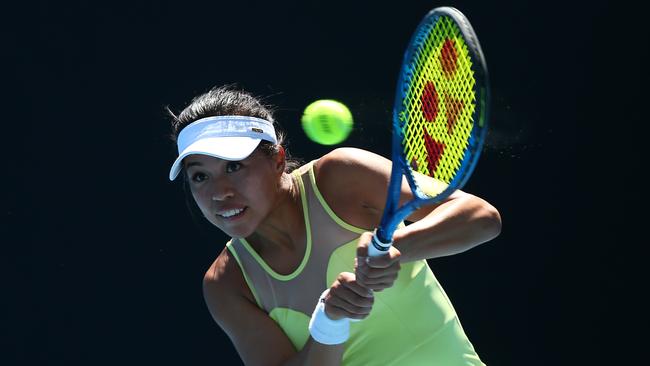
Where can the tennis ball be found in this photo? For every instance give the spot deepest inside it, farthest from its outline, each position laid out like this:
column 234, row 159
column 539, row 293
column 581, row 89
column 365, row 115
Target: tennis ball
column 327, row 122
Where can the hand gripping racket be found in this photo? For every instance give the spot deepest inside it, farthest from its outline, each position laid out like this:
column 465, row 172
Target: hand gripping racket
column 439, row 118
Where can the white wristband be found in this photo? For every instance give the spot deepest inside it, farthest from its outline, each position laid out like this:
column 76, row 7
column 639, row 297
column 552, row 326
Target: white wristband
column 325, row 330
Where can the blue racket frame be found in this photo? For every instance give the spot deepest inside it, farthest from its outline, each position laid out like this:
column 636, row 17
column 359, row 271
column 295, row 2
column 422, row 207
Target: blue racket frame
column 392, row 215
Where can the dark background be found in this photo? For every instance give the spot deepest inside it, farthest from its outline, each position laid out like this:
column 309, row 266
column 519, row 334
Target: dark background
column 102, row 262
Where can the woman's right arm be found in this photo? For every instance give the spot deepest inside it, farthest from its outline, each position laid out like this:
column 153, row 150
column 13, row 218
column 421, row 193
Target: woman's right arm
column 257, row 338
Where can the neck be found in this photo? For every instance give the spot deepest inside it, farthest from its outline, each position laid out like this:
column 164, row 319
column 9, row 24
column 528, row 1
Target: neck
column 279, row 231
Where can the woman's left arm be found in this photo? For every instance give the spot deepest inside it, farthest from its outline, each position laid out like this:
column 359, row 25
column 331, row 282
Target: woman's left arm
column 461, row 222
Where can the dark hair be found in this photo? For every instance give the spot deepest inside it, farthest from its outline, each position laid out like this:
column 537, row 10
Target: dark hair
column 228, row 101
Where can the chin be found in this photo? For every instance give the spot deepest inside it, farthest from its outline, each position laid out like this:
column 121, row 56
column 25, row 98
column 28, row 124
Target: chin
column 237, row 233
column 237, row 230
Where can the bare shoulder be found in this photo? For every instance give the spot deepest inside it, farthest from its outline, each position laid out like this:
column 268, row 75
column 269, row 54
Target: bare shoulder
column 221, row 271
column 354, row 183
column 352, row 155
column 348, row 163
column 224, row 285
column 256, row 337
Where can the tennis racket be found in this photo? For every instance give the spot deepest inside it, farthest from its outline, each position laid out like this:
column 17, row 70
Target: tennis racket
column 440, row 115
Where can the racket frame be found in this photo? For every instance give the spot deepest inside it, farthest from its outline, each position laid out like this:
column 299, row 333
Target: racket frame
column 392, row 215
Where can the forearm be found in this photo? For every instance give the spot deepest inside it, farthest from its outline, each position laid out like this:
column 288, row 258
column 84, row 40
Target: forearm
column 316, row 354
column 453, row 227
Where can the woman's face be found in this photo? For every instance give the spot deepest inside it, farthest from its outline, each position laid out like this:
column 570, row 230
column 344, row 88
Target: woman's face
column 235, row 196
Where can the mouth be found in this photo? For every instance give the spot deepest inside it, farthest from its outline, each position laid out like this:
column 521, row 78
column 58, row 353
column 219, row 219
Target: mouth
column 231, row 214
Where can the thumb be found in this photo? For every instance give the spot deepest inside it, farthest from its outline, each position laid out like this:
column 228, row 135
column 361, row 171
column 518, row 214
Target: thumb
column 362, row 246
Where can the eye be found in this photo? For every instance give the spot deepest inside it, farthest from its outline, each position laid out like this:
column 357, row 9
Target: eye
column 233, row 166
column 198, row 177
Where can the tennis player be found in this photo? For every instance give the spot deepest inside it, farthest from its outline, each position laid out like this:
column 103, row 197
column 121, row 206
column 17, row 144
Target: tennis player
column 294, row 285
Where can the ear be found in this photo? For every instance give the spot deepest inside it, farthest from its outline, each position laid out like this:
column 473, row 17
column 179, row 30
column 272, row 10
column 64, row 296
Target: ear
column 280, row 160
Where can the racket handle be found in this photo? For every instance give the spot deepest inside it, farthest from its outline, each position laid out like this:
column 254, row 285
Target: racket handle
column 377, row 247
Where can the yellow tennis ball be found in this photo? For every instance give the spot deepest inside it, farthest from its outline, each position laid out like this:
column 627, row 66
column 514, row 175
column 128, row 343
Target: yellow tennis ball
column 327, row 122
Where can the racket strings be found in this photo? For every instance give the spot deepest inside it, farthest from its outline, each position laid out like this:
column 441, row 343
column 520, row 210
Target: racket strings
column 438, row 112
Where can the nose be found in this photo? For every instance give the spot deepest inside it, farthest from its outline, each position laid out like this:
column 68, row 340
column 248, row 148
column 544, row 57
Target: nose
column 222, row 194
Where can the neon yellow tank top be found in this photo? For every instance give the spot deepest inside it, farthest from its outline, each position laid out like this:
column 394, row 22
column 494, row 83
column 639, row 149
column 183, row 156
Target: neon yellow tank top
column 412, row 323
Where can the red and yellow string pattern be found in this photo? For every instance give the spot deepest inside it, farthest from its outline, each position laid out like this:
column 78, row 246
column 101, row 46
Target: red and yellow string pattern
column 438, row 110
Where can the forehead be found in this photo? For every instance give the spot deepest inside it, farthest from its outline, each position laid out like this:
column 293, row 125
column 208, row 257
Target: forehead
column 205, row 160
column 201, row 159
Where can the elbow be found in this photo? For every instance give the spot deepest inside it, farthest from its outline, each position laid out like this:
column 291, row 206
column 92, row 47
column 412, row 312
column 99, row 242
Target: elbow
column 485, row 220
column 490, row 220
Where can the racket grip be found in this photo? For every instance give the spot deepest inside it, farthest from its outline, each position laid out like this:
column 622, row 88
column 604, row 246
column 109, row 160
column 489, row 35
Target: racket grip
column 377, row 247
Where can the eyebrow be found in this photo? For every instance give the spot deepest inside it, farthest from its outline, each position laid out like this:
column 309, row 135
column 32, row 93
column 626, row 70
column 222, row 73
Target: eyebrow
column 197, row 163
column 192, row 164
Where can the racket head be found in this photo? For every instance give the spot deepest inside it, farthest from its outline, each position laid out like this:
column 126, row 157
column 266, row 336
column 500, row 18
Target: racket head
column 440, row 115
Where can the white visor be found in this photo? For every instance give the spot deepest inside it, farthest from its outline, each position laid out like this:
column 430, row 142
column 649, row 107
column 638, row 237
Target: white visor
column 225, row 137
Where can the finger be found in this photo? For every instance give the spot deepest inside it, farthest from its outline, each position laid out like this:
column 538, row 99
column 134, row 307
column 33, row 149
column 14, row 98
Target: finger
column 360, row 262
column 383, row 261
column 349, row 281
column 362, row 246
column 373, row 276
column 356, row 293
column 371, row 283
column 334, row 312
column 352, row 305
column 378, row 287
column 361, row 278
column 374, row 273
